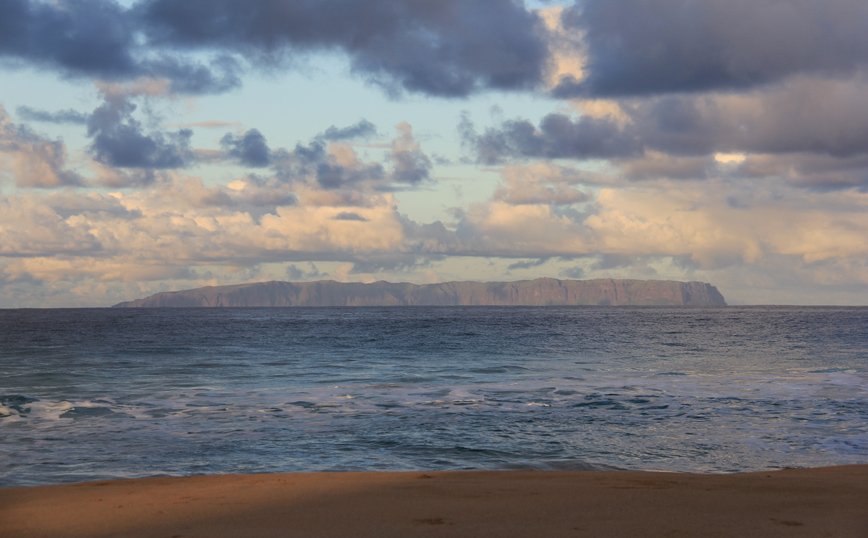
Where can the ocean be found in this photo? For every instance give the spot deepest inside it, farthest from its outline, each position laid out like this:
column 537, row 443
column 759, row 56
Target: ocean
column 88, row 394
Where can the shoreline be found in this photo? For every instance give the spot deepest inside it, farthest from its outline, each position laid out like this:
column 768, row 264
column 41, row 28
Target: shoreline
column 827, row 501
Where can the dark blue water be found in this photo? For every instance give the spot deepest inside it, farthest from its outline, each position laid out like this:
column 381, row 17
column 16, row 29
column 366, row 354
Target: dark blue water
column 101, row 393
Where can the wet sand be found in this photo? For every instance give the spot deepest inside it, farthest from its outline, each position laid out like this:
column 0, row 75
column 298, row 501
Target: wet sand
column 830, row 501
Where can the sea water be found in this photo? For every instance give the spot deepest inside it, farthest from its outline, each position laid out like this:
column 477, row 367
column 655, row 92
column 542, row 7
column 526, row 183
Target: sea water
column 115, row 393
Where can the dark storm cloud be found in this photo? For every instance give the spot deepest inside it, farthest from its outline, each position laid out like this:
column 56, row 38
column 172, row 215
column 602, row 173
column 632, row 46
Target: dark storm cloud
column 362, row 129
column 557, row 137
column 98, row 38
column 817, row 172
column 91, row 37
column 809, row 116
column 331, row 175
column 120, row 140
column 250, row 149
column 640, row 47
column 298, row 163
column 221, row 74
column 669, row 166
column 313, row 161
column 61, row 116
column 446, row 48
column 409, row 163
column 677, row 125
column 805, row 116
column 410, row 166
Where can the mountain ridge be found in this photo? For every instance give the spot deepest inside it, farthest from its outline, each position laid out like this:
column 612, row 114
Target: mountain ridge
column 538, row 292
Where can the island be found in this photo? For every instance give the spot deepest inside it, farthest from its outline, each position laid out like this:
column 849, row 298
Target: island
column 539, row 292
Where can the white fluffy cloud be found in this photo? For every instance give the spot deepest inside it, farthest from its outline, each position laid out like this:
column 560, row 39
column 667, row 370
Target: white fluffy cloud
column 181, row 230
column 33, row 160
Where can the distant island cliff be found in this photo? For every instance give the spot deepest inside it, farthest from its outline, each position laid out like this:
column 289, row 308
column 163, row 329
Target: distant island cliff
column 539, row 292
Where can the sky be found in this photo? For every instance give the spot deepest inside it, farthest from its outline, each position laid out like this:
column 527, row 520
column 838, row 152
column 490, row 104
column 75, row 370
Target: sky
column 156, row 145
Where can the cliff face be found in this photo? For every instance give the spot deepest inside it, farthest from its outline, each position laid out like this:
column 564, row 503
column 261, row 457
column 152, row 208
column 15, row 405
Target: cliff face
column 539, row 292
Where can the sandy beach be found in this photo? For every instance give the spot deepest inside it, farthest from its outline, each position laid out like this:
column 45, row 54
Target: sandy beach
column 830, row 501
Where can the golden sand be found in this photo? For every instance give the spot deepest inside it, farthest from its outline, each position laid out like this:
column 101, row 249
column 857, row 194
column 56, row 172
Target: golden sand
column 812, row 503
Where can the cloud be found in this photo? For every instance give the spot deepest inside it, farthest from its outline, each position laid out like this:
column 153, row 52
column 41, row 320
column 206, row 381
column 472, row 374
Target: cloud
column 819, row 172
column 557, row 137
column 540, row 184
column 576, row 273
column 35, row 227
column 36, row 161
column 249, row 195
column 635, row 47
column 92, row 37
column 811, row 131
column 391, row 262
column 693, row 226
column 294, row 274
column 61, row 116
column 250, row 149
column 521, row 231
column 342, row 169
column 213, row 124
column 718, row 140
column 362, row 129
column 336, row 166
column 529, row 264
column 410, row 164
column 816, row 130
column 657, row 165
column 192, row 77
column 801, row 115
column 166, row 231
column 449, row 48
column 119, row 140
column 650, row 222
column 327, row 172
column 452, row 49
column 184, row 231
column 101, row 39
column 349, row 215
column 798, row 116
